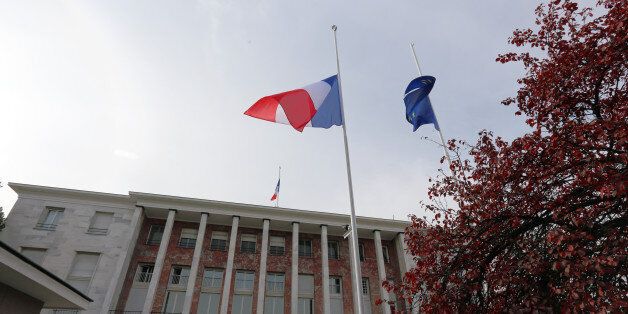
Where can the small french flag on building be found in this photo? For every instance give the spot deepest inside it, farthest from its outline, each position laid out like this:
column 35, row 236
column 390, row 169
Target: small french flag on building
column 276, row 195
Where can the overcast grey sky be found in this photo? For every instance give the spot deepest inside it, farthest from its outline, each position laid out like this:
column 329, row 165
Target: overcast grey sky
column 148, row 95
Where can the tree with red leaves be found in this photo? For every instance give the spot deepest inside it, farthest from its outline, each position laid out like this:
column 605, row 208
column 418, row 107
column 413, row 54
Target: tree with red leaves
column 540, row 222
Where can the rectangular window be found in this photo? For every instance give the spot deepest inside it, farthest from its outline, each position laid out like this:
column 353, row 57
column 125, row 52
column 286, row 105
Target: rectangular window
column 219, row 241
column 144, row 273
column 248, row 243
column 335, row 293
column 273, row 305
column 208, row 303
column 242, row 304
column 188, row 238
column 333, row 250
column 154, row 234
column 277, row 246
column 385, row 253
column 243, row 292
column 174, row 301
column 273, row 302
column 366, row 296
column 34, row 254
column 212, row 279
column 305, row 248
column 275, row 283
column 361, row 252
column 135, row 300
column 50, row 219
column 100, row 223
column 82, row 270
column 179, row 276
column 244, row 281
column 306, row 294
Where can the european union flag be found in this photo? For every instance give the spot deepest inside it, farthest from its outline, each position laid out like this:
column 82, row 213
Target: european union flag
column 418, row 107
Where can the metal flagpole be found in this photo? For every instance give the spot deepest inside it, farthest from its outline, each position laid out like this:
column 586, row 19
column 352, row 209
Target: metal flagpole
column 279, row 182
column 442, row 139
column 357, row 274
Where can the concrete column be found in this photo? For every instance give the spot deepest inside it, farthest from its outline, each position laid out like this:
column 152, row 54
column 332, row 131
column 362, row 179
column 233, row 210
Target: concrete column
column 294, row 286
column 354, row 285
column 159, row 263
column 122, row 265
column 261, row 286
column 381, row 269
column 325, row 263
column 226, row 287
column 405, row 263
column 196, row 259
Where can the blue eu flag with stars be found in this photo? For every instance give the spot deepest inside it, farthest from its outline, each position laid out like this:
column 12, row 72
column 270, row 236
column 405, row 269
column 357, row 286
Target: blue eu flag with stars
column 418, row 107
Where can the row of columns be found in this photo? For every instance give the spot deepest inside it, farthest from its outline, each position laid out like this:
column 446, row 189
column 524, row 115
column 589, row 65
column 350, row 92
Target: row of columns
column 294, row 287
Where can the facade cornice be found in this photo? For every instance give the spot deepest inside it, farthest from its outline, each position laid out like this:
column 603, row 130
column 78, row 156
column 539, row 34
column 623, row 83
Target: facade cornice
column 166, row 202
column 263, row 212
column 62, row 194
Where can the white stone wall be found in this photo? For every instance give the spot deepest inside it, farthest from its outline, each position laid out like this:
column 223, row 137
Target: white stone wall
column 71, row 236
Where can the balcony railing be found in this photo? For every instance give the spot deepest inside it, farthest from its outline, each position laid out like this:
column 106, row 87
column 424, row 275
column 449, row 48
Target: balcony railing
column 46, row 226
column 178, row 280
column 97, row 231
column 187, row 243
column 143, row 277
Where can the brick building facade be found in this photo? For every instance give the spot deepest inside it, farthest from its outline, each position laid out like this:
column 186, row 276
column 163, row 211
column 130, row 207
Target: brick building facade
column 184, row 255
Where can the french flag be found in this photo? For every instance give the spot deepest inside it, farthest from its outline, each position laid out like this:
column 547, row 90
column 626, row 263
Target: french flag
column 276, row 195
column 316, row 105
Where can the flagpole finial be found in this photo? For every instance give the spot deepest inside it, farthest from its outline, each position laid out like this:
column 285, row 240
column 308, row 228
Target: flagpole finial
column 334, row 28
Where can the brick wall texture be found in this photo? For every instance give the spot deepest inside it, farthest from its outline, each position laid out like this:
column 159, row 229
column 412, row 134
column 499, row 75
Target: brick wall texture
column 178, row 256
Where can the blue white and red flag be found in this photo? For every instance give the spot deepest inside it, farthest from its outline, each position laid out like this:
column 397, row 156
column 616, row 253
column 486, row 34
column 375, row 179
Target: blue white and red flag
column 276, row 195
column 316, row 105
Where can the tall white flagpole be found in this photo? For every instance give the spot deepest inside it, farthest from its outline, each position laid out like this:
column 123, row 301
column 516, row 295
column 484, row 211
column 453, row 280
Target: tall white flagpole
column 357, row 273
column 440, row 133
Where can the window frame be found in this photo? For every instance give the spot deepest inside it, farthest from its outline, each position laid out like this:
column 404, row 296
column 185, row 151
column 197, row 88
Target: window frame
column 182, row 281
column 212, row 289
column 187, row 242
column 274, row 292
column 139, row 274
column 43, row 224
column 368, row 287
column 276, row 252
column 250, row 237
column 332, row 284
column 150, row 241
column 30, row 248
column 304, row 253
column 238, row 292
column 337, row 250
column 332, row 294
column 168, row 292
column 306, row 295
column 99, row 231
column 236, row 289
column 216, row 235
column 71, row 278
column 362, row 252
column 385, row 254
